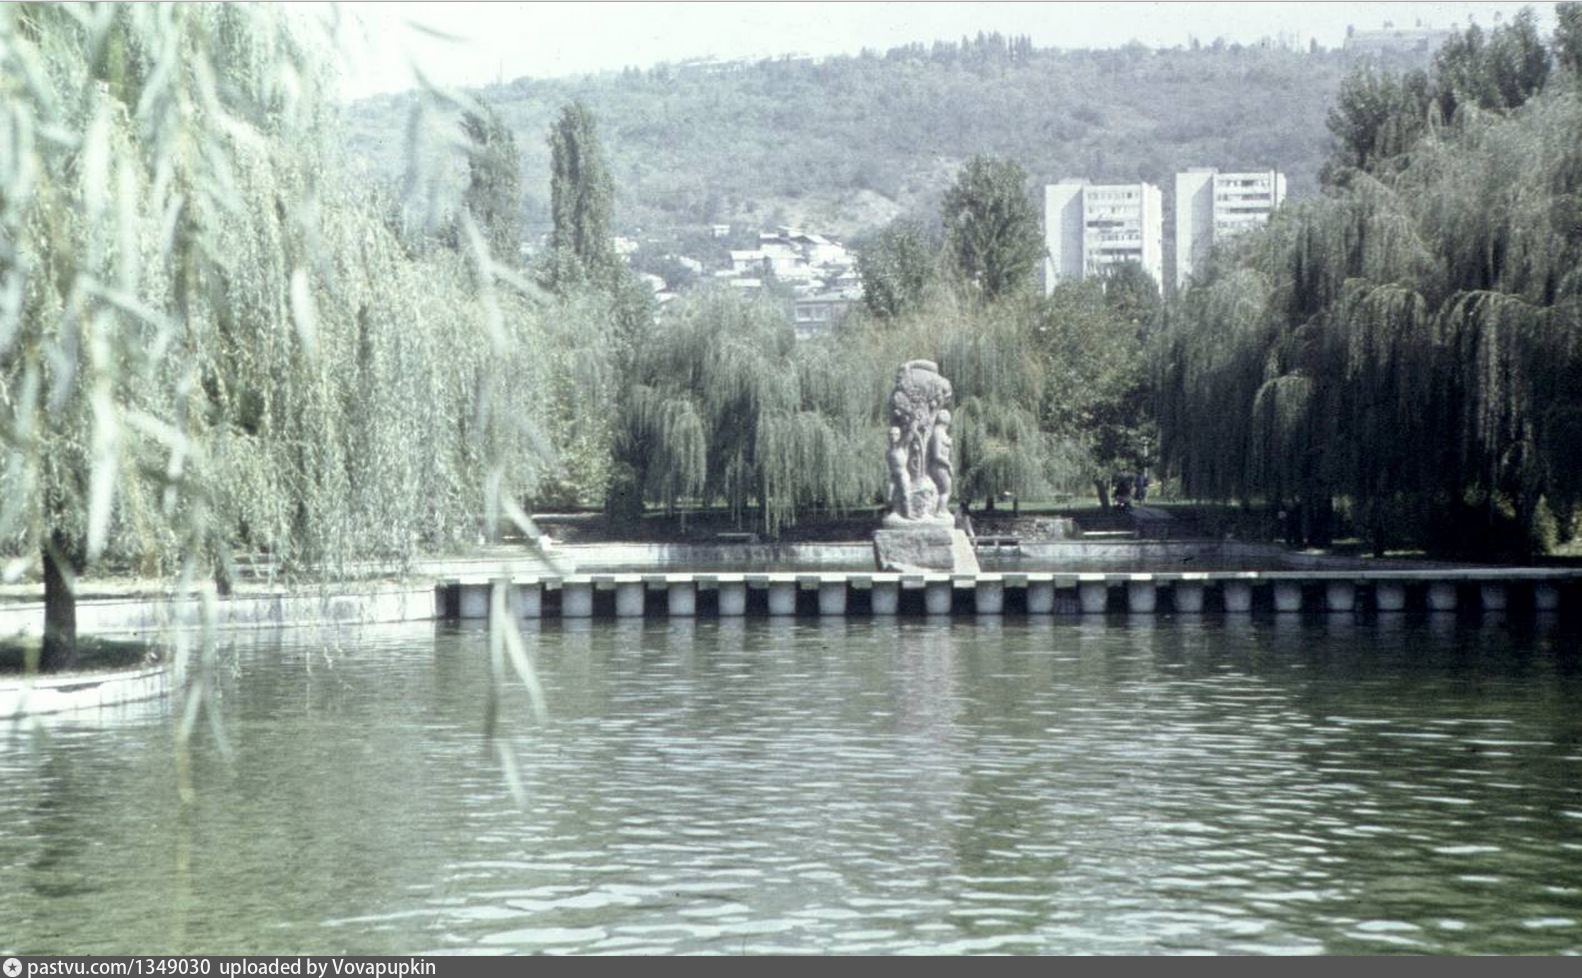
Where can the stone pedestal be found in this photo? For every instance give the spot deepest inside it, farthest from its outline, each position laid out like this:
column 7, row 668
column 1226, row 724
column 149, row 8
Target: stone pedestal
column 1094, row 596
column 1141, row 597
column 1340, row 596
column 885, row 597
column 1441, row 596
column 1389, row 596
column 683, row 599
column 1493, row 596
column 923, row 548
column 832, row 598
column 474, row 601
column 990, row 598
column 937, row 597
column 782, row 598
column 1188, row 598
column 576, row 600
column 733, row 600
column 630, row 597
column 1546, row 597
column 1041, row 597
column 1237, row 596
column 1287, row 596
column 527, row 601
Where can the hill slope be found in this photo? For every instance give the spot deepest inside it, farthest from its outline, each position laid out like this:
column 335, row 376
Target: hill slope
column 849, row 142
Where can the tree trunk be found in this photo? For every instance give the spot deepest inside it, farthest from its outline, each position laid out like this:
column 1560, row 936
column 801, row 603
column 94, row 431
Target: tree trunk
column 1103, row 490
column 60, row 611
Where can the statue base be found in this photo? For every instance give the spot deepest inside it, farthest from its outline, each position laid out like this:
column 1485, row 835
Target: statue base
column 924, row 547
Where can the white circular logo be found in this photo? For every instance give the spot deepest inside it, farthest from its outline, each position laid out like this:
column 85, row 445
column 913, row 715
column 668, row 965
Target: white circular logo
column 13, row 967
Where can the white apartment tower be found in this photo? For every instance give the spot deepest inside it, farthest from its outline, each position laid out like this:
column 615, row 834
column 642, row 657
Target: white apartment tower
column 1213, row 207
column 1089, row 228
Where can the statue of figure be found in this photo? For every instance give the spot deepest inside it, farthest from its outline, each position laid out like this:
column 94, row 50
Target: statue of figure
column 919, row 397
column 939, row 466
column 900, row 483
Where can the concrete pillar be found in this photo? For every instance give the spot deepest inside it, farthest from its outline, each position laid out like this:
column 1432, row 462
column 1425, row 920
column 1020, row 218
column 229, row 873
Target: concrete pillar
column 1237, row 596
column 1546, row 597
column 1287, row 596
column 1493, row 596
column 885, row 597
column 1189, row 597
column 683, row 599
column 527, row 601
column 733, row 600
column 576, row 600
column 1040, row 597
column 475, row 600
column 1442, row 596
column 1094, row 595
column 937, row 597
column 1340, row 596
column 989, row 597
column 1389, row 596
column 630, row 597
column 832, row 598
column 1142, row 597
column 782, row 597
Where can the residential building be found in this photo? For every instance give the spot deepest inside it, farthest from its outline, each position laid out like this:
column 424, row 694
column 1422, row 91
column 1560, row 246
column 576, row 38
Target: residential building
column 1211, row 207
column 1090, row 228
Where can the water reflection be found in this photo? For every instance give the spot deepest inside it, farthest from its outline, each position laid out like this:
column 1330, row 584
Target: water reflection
column 1084, row 783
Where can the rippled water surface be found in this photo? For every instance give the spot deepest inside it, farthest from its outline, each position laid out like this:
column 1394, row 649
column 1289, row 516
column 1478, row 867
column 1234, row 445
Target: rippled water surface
column 750, row 786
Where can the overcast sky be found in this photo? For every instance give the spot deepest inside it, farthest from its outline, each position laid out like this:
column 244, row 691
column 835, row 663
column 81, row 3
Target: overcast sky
column 502, row 41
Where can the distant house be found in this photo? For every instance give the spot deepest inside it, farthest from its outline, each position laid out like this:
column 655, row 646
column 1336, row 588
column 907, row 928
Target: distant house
column 1211, row 207
column 1090, row 228
column 1397, row 40
column 816, row 314
column 721, row 230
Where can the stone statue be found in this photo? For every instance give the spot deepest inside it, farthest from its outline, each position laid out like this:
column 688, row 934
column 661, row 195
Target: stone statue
column 919, row 452
column 919, row 534
column 939, row 467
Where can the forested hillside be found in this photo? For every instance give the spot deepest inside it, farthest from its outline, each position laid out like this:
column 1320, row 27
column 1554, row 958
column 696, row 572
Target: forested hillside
column 850, row 142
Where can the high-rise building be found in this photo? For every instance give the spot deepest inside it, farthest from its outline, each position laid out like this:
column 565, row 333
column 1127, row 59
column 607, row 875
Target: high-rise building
column 1089, row 228
column 1212, row 207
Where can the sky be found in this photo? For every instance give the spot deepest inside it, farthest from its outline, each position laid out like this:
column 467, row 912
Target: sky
column 489, row 42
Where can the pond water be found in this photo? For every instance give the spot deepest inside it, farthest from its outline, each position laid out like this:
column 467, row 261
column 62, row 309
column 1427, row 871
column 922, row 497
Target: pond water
column 1067, row 785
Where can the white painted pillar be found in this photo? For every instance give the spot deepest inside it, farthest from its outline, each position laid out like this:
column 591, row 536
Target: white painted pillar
column 1340, row 596
column 832, row 598
column 1546, row 597
column 527, row 600
column 1237, row 596
column 683, row 599
column 1142, row 597
column 733, row 599
column 937, row 597
column 1094, row 596
column 782, row 597
column 475, row 600
column 885, row 597
column 1040, row 597
column 1287, row 596
column 1442, row 596
column 1493, row 596
column 1189, row 597
column 576, row 600
column 630, row 597
column 989, row 597
column 1389, row 596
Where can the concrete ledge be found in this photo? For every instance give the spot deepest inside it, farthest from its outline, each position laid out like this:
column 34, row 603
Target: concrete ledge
column 32, row 696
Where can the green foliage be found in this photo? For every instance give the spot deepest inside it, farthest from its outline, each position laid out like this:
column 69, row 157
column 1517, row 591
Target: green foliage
column 897, row 267
column 729, row 406
column 218, row 340
column 581, row 196
column 1568, row 37
column 1409, row 344
column 991, row 227
column 494, row 183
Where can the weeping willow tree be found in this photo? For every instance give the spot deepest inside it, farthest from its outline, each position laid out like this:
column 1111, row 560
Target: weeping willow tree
column 1407, row 345
column 730, row 407
column 210, row 336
